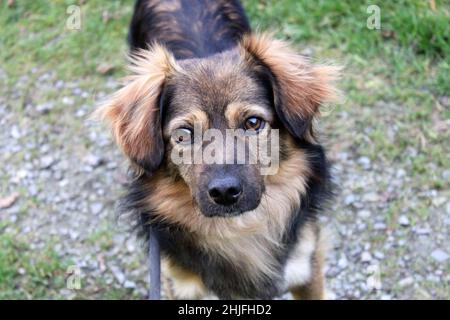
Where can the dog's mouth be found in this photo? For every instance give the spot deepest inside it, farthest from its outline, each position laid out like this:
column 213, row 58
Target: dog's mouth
column 211, row 210
column 223, row 214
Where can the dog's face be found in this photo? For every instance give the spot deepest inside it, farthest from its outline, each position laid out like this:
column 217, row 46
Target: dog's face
column 182, row 107
column 202, row 106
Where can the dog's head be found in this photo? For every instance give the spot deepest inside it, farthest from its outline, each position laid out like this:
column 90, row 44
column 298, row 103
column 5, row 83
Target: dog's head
column 171, row 107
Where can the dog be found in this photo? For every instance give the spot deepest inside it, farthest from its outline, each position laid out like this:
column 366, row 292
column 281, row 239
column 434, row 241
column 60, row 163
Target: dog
column 224, row 228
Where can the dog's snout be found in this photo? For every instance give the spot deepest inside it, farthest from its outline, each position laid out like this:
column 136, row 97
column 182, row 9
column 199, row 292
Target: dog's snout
column 228, row 191
column 225, row 191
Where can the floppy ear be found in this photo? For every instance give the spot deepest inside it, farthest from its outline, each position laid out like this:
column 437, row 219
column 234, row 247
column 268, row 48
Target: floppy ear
column 133, row 112
column 298, row 86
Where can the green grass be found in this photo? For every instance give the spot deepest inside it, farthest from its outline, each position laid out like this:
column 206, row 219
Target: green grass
column 342, row 24
column 34, row 35
column 26, row 273
column 102, row 236
column 394, row 78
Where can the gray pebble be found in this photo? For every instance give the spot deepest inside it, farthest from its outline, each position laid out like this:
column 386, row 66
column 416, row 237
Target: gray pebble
column 439, row 255
column 129, row 284
column 80, row 113
column 118, row 274
column 400, row 173
column 366, row 256
column 378, row 255
column 44, row 108
column 403, row 221
column 59, row 84
column 96, row 208
column 349, row 199
column 343, row 263
column 15, row 133
column 422, row 231
column 379, row 226
column 47, row 161
column 371, row 197
column 93, row 160
column 67, row 100
column 433, row 278
column 364, row 214
column 364, row 162
column 406, row 282
column 446, row 175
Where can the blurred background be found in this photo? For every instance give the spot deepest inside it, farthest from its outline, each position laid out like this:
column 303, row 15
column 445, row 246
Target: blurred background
column 60, row 175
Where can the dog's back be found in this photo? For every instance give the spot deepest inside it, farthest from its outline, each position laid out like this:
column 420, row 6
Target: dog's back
column 188, row 28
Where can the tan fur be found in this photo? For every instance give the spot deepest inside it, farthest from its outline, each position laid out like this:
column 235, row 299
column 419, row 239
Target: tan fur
column 130, row 110
column 186, row 285
column 304, row 86
column 195, row 116
column 166, row 5
column 236, row 113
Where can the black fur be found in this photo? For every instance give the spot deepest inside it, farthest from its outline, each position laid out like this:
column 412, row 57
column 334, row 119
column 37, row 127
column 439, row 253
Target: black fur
column 222, row 24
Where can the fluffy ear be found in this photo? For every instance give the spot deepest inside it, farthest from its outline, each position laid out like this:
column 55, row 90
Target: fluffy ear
column 298, row 86
column 133, row 112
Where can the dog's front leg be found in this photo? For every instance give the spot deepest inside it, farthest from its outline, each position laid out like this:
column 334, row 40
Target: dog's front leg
column 304, row 271
column 183, row 284
column 314, row 289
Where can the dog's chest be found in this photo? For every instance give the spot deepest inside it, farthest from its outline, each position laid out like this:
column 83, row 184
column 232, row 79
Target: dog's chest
column 252, row 266
column 246, row 267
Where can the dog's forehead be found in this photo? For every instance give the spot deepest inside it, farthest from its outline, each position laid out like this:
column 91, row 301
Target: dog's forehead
column 211, row 84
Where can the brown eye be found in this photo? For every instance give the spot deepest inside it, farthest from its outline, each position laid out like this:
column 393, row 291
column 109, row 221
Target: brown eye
column 182, row 136
column 254, row 124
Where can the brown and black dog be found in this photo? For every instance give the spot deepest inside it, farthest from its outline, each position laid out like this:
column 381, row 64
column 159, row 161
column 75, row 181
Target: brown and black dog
column 224, row 229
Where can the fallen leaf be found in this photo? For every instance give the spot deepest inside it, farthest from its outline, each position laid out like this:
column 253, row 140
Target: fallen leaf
column 8, row 201
column 388, row 34
column 445, row 101
column 438, row 123
column 101, row 262
column 105, row 68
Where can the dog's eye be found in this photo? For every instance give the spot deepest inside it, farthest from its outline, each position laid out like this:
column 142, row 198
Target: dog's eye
column 254, row 124
column 182, row 136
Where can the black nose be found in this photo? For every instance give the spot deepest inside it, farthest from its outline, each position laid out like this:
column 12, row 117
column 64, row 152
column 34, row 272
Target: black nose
column 225, row 191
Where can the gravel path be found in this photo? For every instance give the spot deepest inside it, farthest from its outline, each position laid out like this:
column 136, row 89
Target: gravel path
column 62, row 175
